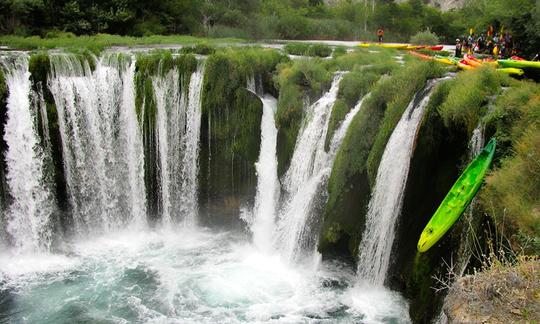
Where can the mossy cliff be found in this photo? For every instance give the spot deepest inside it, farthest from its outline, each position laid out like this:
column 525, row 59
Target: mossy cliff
column 230, row 129
column 442, row 148
column 349, row 184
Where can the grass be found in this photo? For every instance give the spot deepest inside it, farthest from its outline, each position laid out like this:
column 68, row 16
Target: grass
column 512, row 191
column 97, row 43
column 469, row 95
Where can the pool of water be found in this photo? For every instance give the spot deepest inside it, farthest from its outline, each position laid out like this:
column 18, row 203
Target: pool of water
column 184, row 276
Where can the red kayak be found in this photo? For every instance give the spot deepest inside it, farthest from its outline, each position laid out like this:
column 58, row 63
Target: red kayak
column 517, row 58
column 436, row 48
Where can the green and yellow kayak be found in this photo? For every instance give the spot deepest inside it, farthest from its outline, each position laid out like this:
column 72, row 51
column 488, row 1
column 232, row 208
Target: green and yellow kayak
column 458, row 198
column 519, row 64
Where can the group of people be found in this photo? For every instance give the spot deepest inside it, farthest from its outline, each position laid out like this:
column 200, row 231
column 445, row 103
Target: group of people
column 491, row 43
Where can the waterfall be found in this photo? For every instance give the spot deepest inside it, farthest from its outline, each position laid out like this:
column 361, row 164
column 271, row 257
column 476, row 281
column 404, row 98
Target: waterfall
column 101, row 140
column 387, row 198
column 305, row 179
column 264, row 212
column 177, row 136
column 29, row 216
column 477, row 141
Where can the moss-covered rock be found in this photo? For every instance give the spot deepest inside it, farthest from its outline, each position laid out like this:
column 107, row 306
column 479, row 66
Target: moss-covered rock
column 299, row 82
column 349, row 186
column 230, row 129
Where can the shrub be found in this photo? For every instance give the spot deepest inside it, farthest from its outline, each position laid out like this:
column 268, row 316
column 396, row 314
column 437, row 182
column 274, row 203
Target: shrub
column 201, row 48
column 319, row 50
column 468, row 96
column 426, row 37
column 296, row 48
column 512, row 192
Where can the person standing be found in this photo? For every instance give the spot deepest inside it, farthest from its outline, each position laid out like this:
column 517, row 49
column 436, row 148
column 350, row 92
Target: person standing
column 380, row 34
column 458, row 48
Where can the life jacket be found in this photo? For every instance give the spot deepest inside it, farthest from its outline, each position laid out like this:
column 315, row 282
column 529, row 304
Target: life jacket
column 380, row 32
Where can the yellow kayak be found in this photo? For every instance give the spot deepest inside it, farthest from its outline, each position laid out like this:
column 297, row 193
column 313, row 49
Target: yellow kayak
column 384, row 45
column 513, row 71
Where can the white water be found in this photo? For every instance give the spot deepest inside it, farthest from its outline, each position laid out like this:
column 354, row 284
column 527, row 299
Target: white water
column 178, row 133
column 387, row 198
column 305, row 179
column 183, row 276
column 263, row 222
column 29, row 215
column 101, row 141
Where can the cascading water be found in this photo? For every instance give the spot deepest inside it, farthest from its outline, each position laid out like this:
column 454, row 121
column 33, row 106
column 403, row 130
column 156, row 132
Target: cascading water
column 143, row 274
column 387, row 198
column 101, row 142
column 29, row 216
column 262, row 224
column 178, row 132
column 305, row 179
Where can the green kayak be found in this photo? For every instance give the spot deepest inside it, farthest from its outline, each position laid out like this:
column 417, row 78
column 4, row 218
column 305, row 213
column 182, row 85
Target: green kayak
column 519, row 64
column 459, row 197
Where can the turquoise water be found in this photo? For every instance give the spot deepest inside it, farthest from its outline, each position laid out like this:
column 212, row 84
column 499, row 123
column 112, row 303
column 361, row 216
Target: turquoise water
column 185, row 276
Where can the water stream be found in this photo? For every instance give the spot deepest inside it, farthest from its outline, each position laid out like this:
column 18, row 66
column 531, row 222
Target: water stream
column 387, row 197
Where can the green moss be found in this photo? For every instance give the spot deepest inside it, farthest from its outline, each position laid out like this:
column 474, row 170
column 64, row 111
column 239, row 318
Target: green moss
column 339, row 111
column 231, row 122
column 296, row 81
column 39, row 67
column 3, row 89
column 157, row 63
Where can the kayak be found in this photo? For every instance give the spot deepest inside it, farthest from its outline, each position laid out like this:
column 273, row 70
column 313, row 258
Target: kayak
column 394, row 46
column 458, row 198
column 422, row 56
column 512, row 71
column 450, row 60
column 519, row 64
column 414, row 47
column 464, row 66
column 436, row 48
column 471, row 60
column 445, row 60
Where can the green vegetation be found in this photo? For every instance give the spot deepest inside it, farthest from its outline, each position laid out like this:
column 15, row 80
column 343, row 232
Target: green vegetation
column 354, row 86
column 97, row 43
column 296, row 81
column 3, row 89
column 307, row 49
column 425, row 38
column 348, row 186
column 406, row 84
column 469, row 95
column 512, row 192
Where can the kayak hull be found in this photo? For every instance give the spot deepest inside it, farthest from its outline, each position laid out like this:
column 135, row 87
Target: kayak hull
column 457, row 199
column 519, row 64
